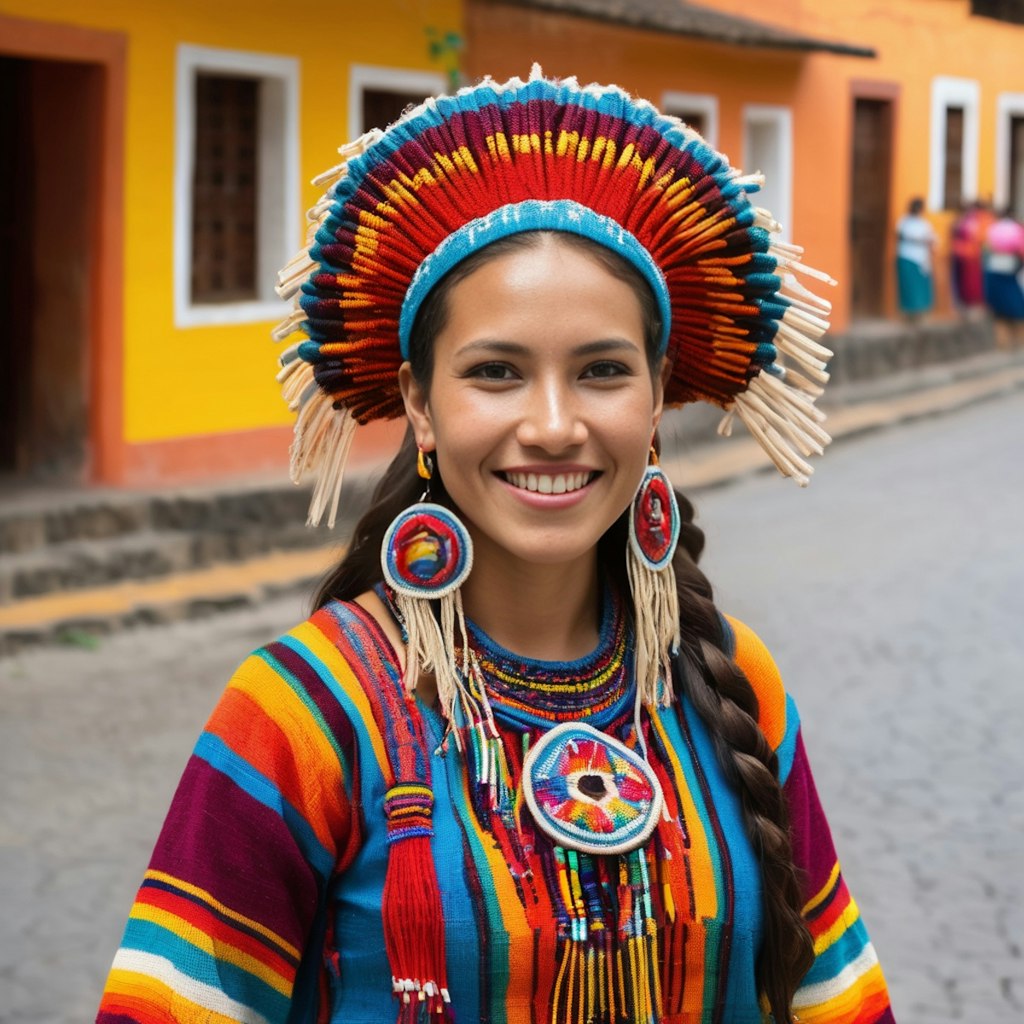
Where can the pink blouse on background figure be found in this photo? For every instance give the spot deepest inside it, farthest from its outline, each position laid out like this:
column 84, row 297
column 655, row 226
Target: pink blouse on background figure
column 1007, row 236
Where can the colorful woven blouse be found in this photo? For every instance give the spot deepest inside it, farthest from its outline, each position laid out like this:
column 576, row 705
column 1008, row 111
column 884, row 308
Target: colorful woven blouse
column 262, row 902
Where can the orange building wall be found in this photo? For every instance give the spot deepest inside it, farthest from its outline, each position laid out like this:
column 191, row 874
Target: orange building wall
column 501, row 42
column 915, row 41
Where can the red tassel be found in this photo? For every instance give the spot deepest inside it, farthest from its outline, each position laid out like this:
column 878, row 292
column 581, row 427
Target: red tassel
column 414, row 931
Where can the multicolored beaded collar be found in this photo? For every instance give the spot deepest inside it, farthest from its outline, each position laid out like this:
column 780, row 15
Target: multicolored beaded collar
column 526, row 693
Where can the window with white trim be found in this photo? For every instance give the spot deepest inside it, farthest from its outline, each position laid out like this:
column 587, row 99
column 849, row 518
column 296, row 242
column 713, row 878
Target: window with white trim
column 236, row 183
column 768, row 148
column 698, row 110
column 1010, row 152
column 953, row 151
column 379, row 95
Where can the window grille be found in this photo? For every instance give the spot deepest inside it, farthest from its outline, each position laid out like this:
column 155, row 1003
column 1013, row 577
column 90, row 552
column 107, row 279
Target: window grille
column 225, row 189
column 953, row 181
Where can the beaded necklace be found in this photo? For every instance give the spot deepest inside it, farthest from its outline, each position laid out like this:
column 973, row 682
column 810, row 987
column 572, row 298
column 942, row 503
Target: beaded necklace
column 570, row 731
column 528, row 694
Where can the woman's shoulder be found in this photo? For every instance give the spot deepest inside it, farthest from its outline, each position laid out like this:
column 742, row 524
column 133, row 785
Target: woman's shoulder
column 337, row 636
column 752, row 656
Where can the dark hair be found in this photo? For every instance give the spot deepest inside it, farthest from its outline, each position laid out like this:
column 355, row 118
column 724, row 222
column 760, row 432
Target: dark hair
column 915, row 206
column 718, row 689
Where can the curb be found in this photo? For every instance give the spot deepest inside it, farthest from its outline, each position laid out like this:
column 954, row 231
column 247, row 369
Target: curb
column 80, row 617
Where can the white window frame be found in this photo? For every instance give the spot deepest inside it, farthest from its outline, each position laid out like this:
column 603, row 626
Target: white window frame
column 1008, row 106
column 782, row 118
column 375, row 76
column 953, row 92
column 279, row 212
column 704, row 103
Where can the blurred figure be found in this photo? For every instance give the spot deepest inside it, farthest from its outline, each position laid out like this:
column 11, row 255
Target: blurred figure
column 1004, row 260
column 915, row 242
column 967, row 242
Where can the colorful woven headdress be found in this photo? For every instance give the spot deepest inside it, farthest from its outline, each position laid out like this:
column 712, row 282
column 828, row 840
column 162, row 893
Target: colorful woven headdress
column 456, row 173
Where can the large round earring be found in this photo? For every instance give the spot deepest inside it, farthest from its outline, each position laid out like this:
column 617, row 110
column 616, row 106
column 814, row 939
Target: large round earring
column 426, row 555
column 654, row 526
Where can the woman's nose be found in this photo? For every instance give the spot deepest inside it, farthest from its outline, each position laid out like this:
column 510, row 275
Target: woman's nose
column 551, row 419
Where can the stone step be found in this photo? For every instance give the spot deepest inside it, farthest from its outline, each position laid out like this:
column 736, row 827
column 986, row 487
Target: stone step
column 34, row 521
column 142, row 555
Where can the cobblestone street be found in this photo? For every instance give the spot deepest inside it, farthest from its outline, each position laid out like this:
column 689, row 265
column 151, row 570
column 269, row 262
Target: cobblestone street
column 890, row 593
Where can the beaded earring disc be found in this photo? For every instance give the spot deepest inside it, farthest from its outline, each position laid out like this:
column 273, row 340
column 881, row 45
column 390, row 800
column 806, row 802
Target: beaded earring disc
column 427, row 552
column 654, row 520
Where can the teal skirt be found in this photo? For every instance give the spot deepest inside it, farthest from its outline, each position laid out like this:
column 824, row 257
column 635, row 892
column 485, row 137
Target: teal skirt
column 915, row 287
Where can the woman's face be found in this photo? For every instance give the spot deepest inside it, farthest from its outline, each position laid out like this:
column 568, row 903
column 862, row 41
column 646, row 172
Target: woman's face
column 541, row 407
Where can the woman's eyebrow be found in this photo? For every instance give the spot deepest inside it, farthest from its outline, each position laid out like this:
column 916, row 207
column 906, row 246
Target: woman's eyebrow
column 589, row 348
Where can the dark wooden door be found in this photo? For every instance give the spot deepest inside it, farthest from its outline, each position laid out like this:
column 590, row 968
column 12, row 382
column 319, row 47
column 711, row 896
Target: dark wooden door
column 1016, row 197
column 16, row 258
column 50, row 117
column 869, row 206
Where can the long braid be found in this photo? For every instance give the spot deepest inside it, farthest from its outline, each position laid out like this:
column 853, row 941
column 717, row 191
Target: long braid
column 726, row 702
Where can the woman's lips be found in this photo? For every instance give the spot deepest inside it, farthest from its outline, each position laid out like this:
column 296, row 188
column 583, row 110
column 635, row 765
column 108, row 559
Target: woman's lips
column 549, row 483
column 547, row 489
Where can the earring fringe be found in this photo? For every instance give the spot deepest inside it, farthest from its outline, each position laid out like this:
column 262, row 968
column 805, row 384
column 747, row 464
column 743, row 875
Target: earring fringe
column 657, row 627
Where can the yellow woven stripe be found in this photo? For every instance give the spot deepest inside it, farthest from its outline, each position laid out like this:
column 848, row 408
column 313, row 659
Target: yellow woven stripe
column 219, row 950
column 216, row 904
column 862, row 1000
column 844, row 921
column 140, row 988
column 150, row 996
column 824, row 891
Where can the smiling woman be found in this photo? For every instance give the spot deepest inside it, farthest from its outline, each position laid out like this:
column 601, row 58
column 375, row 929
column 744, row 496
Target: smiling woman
column 517, row 766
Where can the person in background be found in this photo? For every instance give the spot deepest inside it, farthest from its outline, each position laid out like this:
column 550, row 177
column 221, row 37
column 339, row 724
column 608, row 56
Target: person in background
column 967, row 241
column 1004, row 270
column 517, row 766
column 915, row 244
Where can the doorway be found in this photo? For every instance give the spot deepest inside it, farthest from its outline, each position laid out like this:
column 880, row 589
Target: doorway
column 870, row 205
column 51, row 120
column 1016, row 168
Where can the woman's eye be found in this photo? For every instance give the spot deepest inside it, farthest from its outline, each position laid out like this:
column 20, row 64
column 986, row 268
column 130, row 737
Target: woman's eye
column 492, row 371
column 606, row 369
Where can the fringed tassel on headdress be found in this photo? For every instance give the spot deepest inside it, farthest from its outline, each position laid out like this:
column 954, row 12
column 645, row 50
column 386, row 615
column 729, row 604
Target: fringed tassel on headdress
column 323, row 433
column 778, row 405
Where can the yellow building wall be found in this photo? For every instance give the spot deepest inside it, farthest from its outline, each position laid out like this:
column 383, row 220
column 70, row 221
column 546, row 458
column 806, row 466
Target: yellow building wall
column 212, row 379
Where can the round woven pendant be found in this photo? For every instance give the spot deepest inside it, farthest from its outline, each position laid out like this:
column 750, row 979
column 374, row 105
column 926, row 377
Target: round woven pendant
column 654, row 520
column 427, row 552
column 590, row 792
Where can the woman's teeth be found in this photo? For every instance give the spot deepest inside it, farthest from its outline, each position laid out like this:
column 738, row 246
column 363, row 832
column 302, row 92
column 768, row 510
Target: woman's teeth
column 543, row 483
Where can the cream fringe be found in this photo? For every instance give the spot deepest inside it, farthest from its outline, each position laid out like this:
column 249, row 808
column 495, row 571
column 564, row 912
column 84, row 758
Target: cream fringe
column 323, row 434
column 778, row 407
column 657, row 628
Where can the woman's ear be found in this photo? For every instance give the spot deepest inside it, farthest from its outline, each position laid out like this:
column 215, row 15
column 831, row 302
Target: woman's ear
column 417, row 408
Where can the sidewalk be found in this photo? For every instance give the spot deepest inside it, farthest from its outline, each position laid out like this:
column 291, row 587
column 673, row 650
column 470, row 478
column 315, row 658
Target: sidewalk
column 78, row 616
